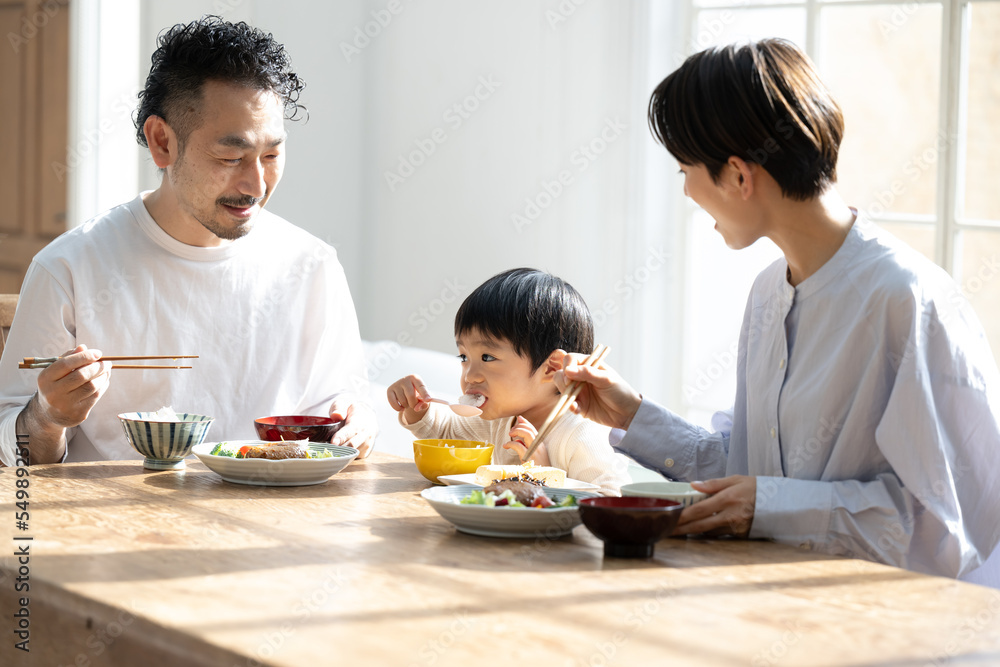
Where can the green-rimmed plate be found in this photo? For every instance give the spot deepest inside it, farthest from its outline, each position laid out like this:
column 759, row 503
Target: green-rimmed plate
column 286, row 472
column 505, row 521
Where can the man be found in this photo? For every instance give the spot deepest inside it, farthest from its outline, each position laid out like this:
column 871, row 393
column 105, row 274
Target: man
column 193, row 267
column 867, row 401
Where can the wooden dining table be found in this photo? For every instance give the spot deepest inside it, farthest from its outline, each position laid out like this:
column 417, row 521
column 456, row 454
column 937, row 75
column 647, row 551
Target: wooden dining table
column 130, row 567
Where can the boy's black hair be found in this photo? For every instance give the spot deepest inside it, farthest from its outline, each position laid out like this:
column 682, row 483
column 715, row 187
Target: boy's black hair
column 536, row 312
column 210, row 48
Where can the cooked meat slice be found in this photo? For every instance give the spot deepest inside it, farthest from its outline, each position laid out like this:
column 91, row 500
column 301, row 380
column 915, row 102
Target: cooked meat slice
column 275, row 451
column 526, row 492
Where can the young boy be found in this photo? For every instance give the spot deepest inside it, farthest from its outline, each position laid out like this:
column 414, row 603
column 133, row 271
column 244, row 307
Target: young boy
column 505, row 331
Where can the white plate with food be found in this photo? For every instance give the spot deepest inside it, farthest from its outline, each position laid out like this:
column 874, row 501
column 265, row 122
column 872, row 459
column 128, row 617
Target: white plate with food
column 531, row 522
column 470, row 478
column 260, row 463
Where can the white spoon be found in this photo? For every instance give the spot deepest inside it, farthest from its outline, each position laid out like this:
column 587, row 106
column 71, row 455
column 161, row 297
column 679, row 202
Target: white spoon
column 458, row 408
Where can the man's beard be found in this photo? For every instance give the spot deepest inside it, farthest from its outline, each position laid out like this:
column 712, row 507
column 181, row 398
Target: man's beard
column 232, row 233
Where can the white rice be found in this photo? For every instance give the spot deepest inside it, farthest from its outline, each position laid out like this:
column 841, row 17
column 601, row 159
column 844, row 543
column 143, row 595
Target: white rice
column 164, row 414
column 472, row 399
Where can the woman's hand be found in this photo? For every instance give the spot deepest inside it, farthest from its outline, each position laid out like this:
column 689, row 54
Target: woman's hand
column 521, row 436
column 604, row 398
column 728, row 511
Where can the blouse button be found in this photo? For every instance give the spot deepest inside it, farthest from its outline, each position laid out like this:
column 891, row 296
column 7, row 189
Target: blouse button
column 781, row 364
column 773, row 432
column 669, row 463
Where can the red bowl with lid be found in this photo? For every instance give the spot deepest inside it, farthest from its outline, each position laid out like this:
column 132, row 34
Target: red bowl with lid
column 630, row 526
column 297, row 427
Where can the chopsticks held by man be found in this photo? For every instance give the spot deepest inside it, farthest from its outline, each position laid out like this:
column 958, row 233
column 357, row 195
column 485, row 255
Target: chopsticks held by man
column 197, row 264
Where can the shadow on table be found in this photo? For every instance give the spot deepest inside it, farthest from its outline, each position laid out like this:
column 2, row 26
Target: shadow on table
column 358, row 478
column 945, row 658
column 106, row 470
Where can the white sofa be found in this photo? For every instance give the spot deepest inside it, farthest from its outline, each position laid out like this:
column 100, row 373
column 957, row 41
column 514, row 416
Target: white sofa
column 387, row 361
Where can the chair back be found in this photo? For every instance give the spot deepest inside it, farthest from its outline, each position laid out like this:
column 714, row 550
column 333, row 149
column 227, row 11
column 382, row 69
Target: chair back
column 8, row 304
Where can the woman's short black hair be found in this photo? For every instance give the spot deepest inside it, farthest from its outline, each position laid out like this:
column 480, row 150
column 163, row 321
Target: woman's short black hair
column 210, row 48
column 762, row 102
column 536, row 312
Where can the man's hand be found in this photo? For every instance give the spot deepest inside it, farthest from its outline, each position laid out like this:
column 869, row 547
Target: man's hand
column 604, row 398
column 729, row 511
column 70, row 388
column 360, row 425
column 67, row 391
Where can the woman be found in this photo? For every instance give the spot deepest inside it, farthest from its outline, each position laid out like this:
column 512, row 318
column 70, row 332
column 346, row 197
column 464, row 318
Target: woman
column 866, row 413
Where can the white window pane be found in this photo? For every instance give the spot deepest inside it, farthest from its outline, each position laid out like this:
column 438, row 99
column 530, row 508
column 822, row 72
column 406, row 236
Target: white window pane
column 715, row 27
column 918, row 237
column 719, row 280
column 743, row 3
column 883, row 64
column 979, row 252
column 982, row 164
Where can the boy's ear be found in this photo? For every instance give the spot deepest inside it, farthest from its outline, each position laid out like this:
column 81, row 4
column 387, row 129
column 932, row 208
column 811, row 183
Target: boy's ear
column 549, row 368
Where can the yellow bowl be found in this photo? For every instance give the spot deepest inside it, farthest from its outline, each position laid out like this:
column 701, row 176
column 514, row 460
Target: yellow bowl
column 450, row 457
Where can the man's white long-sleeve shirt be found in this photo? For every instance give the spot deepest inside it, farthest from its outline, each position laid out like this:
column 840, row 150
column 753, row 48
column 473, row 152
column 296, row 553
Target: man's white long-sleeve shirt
column 867, row 405
column 270, row 316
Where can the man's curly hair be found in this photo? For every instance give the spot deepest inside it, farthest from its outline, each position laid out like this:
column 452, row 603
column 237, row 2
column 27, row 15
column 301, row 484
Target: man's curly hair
column 212, row 49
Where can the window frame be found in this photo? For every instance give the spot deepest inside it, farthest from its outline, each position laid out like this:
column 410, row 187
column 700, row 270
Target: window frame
column 948, row 220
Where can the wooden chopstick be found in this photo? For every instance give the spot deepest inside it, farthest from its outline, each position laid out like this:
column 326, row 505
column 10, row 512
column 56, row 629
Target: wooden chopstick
column 117, row 367
column 562, row 405
column 45, row 362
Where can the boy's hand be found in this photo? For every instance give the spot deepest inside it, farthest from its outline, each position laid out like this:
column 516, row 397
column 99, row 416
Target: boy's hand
column 408, row 396
column 521, row 437
column 604, row 398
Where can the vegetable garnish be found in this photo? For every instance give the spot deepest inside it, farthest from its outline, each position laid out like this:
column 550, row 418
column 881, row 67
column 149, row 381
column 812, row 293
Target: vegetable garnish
column 508, row 499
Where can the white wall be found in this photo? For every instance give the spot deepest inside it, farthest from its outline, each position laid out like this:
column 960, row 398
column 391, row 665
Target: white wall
column 537, row 83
